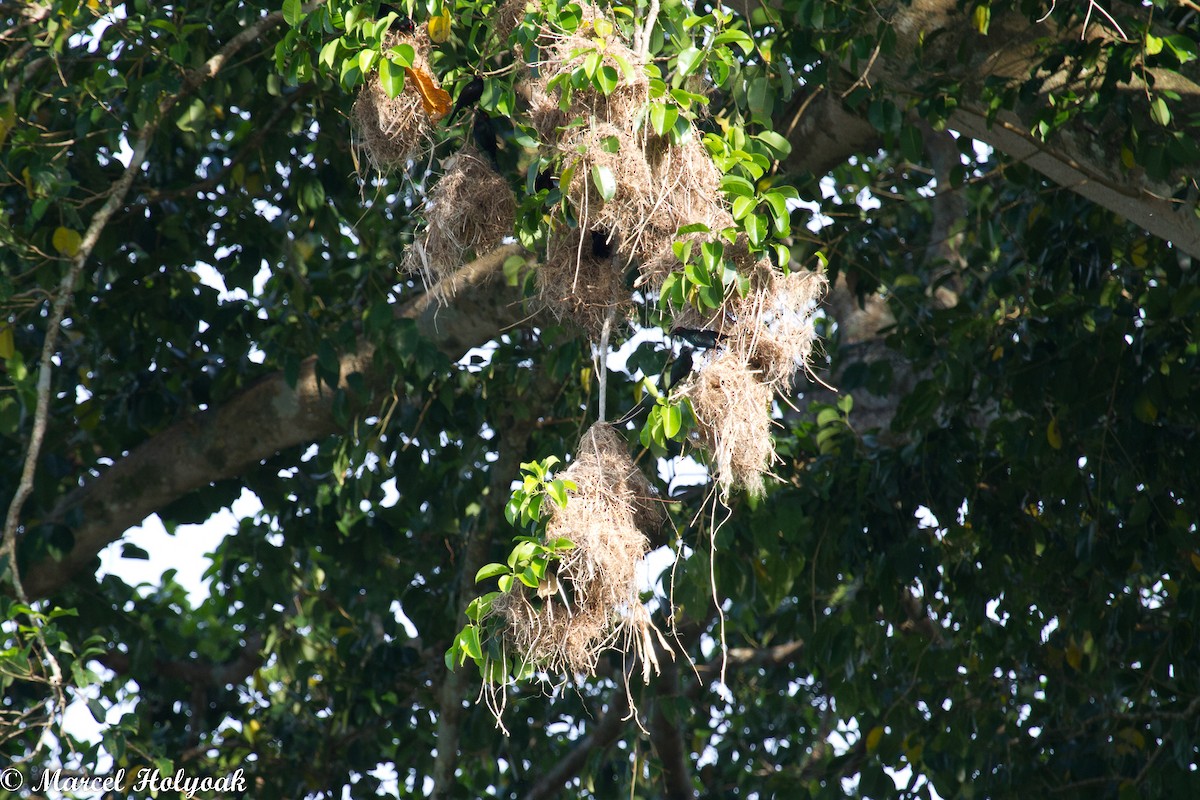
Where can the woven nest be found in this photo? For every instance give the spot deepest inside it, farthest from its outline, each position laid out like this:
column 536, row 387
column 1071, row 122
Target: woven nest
column 733, row 420
column 392, row 130
column 612, row 148
column 470, row 208
column 766, row 337
column 773, row 329
column 507, row 17
column 576, row 284
column 590, row 599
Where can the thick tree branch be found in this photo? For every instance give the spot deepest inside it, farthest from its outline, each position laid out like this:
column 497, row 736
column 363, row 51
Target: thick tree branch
column 198, row 673
column 667, row 737
column 513, row 440
column 265, row 418
column 930, row 36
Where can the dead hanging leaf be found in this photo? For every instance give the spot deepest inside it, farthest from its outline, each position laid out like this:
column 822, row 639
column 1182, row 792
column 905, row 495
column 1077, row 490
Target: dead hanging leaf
column 434, row 99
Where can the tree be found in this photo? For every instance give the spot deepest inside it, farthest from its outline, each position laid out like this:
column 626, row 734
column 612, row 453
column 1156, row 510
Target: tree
column 979, row 558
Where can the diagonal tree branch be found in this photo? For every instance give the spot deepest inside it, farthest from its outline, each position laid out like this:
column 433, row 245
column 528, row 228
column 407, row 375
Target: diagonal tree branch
column 930, row 36
column 265, row 418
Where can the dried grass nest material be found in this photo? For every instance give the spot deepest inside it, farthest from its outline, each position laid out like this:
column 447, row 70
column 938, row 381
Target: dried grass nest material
column 733, row 419
column 615, row 149
column 773, row 329
column 471, row 207
column 564, row 52
column 767, row 336
column 392, row 130
column 575, row 284
column 591, row 603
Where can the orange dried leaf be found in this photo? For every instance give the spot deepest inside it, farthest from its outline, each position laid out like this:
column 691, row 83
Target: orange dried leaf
column 434, row 99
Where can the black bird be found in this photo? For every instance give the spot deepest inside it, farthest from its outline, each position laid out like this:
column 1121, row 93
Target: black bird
column 698, row 337
column 681, row 368
column 470, row 94
column 403, row 23
column 487, row 137
column 545, row 180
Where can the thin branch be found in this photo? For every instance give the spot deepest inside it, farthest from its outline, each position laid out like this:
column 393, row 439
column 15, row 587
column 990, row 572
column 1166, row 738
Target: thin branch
column 66, row 290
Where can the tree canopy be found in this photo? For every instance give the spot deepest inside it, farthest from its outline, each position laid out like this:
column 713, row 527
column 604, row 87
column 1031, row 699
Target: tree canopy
column 971, row 570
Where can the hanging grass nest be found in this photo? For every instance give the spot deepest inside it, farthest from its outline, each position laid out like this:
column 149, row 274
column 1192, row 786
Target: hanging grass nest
column 605, row 152
column 773, row 329
column 392, row 130
column 470, row 208
column 579, row 281
column 590, row 601
column 766, row 337
column 733, row 421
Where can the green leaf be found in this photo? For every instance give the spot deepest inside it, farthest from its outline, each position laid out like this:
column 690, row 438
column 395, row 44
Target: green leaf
column 366, row 60
column 328, row 53
column 743, row 205
column 293, row 12
column 672, row 419
column 468, row 640
column 780, row 146
column 403, row 54
column 606, row 183
column 982, row 18
column 391, row 75
column 607, row 78
column 662, row 117
column 490, row 571
column 689, row 58
column 737, row 185
column 558, row 493
column 506, row 582
column 740, row 38
column 1159, row 112
column 780, row 216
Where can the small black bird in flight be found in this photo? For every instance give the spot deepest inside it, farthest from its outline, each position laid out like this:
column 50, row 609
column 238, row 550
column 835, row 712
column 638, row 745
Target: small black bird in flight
column 698, row 337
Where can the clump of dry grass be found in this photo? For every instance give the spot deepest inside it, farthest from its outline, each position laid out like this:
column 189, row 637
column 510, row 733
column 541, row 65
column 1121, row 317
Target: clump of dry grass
column 767, row 336
column 591, row 600
column 392, row 130
column 507, row 17
column 470, row 207
column 773, row 324
column 733, row 421
column 576, row 284
column 605, row 146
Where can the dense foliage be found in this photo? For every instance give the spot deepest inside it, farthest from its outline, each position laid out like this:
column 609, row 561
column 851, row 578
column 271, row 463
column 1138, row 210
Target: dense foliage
column 977, row 570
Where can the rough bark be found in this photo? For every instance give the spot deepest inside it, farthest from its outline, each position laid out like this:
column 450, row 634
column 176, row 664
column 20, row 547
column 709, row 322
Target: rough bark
column 265, row 418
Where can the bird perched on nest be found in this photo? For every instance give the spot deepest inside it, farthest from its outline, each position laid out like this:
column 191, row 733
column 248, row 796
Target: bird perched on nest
column 700, row 338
